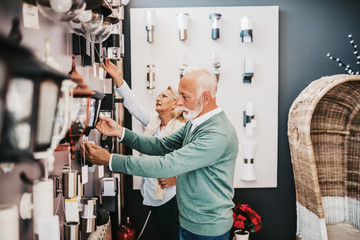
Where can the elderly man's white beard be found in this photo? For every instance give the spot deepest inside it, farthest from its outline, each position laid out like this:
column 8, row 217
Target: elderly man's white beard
column 192, row 114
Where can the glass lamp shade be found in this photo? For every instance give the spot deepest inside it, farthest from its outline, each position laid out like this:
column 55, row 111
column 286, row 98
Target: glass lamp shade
column 87, row 22
column 102, row 33
column 61, row 10
column 31, row 102
column 94, row 111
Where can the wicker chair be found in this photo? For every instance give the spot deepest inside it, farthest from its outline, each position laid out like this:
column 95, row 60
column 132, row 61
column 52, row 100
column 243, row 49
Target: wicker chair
column 324, row 138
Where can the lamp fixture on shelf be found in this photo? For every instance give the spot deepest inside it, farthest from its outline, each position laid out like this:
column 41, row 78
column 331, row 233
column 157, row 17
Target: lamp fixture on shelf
column 149, row 25
column 183, row 20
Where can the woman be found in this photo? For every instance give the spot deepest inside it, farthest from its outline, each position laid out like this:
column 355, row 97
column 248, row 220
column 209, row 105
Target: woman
column 159, row 194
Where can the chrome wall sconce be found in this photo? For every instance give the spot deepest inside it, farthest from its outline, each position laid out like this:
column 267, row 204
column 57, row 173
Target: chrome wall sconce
column 150, row 25
column 182, row 20
column 249, row 119
column 246, row 30
column 150, row 78
column 215, row 23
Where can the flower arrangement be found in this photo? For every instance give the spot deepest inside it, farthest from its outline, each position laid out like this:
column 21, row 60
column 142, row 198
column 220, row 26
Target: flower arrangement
column 246, row 219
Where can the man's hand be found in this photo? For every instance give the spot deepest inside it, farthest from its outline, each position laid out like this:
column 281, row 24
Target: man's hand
column 167, row 182
column 109, row 127
column 114, row 71
column 94, row 153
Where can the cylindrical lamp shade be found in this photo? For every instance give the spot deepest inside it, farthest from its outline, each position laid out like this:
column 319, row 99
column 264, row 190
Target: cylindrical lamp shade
column 248, row 171
column 246, row 30
column 150, row 24
column 71, row 231
column 88, row 215
column 42, row 200
column 70, row 183
column 9, row 222
column 183, row 20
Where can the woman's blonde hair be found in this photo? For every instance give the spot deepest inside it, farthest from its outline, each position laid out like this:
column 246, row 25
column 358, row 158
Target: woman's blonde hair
column 176, row 113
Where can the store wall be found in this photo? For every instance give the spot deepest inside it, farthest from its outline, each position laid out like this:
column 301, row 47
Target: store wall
column 309, row 29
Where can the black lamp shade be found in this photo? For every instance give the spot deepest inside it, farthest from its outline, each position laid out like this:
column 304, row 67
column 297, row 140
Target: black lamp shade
column 94, row 110
column 31, row 102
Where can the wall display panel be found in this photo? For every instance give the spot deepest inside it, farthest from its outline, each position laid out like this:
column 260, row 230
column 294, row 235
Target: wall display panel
column 248, row 74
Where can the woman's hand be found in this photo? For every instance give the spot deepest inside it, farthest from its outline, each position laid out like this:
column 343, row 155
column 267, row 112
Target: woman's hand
column 114, row 71
column 167, row 182
column 109, row 127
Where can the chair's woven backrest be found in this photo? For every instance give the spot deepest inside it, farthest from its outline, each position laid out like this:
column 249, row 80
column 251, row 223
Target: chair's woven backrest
column 324, row 138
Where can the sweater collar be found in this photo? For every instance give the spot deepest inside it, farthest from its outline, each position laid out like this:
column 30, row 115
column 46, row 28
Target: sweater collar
column 199, row 120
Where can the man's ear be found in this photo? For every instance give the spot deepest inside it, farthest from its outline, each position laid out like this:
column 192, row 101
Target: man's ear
column 206, row 97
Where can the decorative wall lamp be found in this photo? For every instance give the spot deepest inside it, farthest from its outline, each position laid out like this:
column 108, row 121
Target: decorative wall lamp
column 182, row 68
column 149, row 25
column 249, row 119
column 215, row 23
column 60, row 10
column 38, row 205
column 82, row 96
column 31, row 102
column 246, row 30
column 182, row 20
column 94, row 111
column 248, row 74
column 151, row 78
column 248, row 171
column 217, row 66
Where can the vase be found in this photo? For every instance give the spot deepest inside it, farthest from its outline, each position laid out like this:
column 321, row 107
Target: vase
column 241, row 235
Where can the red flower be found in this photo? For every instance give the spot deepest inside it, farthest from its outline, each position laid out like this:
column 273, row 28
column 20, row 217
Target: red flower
column 246, row 219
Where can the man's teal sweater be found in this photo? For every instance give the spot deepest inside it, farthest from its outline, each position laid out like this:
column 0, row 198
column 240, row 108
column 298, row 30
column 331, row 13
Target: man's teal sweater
column 204, row 163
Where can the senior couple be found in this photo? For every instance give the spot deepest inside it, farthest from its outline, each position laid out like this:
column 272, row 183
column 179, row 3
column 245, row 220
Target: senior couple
column 198, row 156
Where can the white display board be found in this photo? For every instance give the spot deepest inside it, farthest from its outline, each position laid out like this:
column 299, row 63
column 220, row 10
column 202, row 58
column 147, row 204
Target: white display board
column 167, row 53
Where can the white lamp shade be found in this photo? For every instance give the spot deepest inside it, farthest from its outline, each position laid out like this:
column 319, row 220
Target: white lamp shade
column 246, row 23
column 42, row 200
column 183, row 20
column 9, row 222
column 248, row 172
column 249, row 109
column 248, row 150
column 150, row 18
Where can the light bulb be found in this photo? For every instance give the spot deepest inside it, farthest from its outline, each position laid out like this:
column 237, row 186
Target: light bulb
column 61, row 6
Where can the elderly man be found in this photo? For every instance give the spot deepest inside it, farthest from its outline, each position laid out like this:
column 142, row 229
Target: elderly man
column 201, row 154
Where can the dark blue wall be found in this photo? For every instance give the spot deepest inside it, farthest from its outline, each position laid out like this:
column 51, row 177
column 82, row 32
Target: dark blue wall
column 308, row 30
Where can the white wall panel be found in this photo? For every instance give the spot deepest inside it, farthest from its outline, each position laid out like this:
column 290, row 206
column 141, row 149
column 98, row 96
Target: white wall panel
column 167, row 52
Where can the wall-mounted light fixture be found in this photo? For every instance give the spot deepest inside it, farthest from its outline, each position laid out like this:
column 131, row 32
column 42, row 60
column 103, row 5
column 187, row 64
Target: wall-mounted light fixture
column 248, row 74
column 94, row 111
column 182, row 67
column 246, row 30
column 150, row 78
column 215, row 23
column 249, row 119
column 31, row 102
column 149, row 25
column 60, row 10
column 82, row 96
column 248, row 171
column 182, row 20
